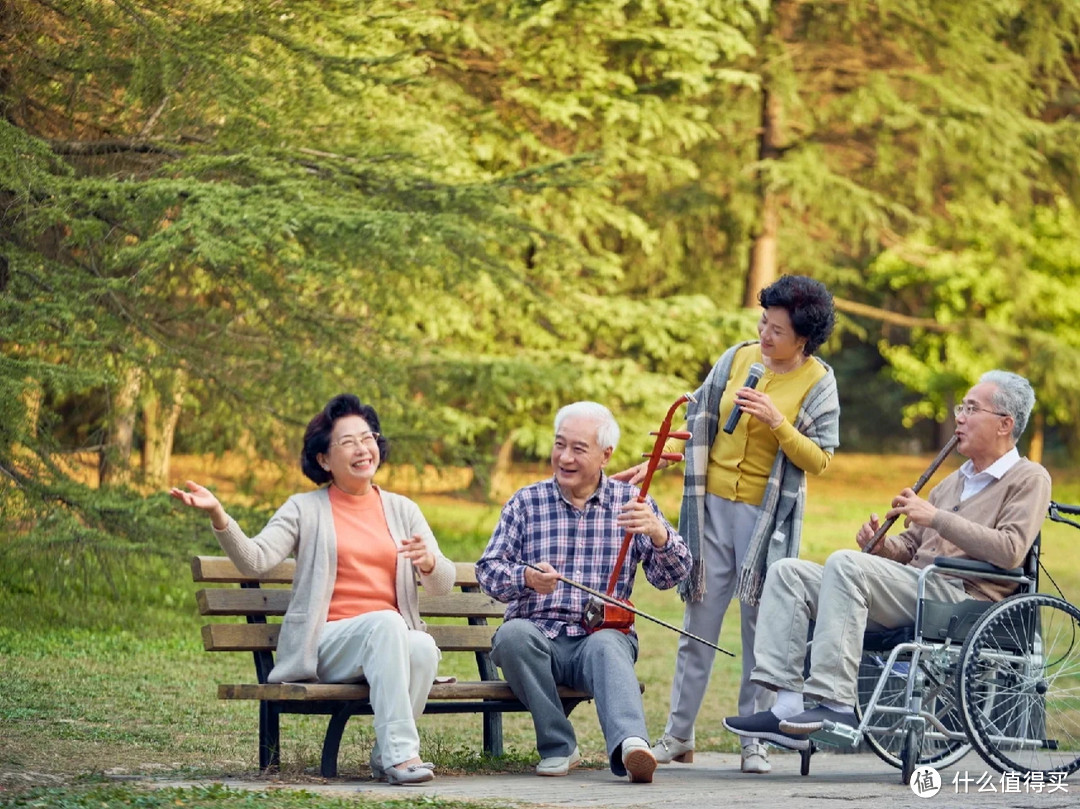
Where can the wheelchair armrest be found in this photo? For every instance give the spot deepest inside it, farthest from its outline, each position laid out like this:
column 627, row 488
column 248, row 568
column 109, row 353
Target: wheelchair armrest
column 974, row 566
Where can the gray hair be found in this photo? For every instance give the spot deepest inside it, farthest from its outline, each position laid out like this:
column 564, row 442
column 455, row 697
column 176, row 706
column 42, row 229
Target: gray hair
column 1014, row 396
column 607, row 429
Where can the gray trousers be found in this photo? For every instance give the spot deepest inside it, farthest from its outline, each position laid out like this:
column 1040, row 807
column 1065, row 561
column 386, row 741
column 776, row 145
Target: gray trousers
column 853, row 592
column 601, row 664
column 728, row 527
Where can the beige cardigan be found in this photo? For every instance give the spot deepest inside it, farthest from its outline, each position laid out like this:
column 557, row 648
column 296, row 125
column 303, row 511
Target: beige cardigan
column 997, row 525
column 304, row 527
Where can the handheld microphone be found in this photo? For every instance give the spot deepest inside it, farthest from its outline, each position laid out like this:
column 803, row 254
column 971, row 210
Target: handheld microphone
column 757, row 370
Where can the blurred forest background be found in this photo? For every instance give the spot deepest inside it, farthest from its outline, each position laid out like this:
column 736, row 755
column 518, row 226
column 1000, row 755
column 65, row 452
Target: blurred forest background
column 216, row 214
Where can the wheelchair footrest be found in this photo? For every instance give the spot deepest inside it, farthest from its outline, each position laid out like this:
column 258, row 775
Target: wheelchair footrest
column 834, row 734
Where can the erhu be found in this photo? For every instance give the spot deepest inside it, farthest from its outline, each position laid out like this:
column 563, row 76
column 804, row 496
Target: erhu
column 946, row 451
column 608, row 613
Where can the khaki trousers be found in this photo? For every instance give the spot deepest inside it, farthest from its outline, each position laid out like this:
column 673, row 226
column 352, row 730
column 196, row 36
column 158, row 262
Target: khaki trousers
column 853, row 592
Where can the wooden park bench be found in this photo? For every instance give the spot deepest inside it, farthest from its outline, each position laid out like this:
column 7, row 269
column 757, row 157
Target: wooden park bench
column 488, row 696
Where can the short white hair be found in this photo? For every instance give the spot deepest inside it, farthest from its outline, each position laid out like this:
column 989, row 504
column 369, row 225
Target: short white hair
column 607, row 429
column 1014, row 395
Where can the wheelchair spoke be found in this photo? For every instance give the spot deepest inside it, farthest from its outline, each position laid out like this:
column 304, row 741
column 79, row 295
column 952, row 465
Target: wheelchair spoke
column 1019, row 685
column 885, row 725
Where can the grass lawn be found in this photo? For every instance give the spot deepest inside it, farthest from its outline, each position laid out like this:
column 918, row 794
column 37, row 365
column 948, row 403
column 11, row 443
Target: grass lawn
column 90, row 687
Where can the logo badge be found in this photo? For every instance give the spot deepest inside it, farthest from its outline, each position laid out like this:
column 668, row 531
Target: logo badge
column 925, row 782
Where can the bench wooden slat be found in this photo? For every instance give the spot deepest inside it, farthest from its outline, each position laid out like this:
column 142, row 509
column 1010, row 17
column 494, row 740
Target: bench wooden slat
column 461, row 605
column 264, row 637
column 221, row 570
column 256, row 601
column 265, row 601
column 240, row 637
column 461, row 690
column 462, row 638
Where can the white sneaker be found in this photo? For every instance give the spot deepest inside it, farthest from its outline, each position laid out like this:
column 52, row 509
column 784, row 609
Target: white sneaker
column 559, row 765
column 638, row 759
column 668, row 749
column 755, row 759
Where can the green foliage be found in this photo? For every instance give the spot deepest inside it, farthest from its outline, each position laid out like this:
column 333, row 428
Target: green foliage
column 1005, row 279
column 216, row 216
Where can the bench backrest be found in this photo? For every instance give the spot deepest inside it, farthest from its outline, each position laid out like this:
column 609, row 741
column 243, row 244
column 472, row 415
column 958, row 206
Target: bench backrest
column 255, row 603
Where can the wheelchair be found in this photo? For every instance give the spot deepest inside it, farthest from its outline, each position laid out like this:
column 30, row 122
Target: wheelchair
column 1000, row 677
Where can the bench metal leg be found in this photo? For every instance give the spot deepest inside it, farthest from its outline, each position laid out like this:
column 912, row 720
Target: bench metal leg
column 493, row 734
column 332, row 742
column 269, row 736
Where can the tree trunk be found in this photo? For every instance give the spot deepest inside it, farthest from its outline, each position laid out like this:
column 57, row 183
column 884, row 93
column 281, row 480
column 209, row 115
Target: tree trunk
column 159, row 424
column 500, row 485
column 1038, row 437
column 763, row 252
column 114, row 465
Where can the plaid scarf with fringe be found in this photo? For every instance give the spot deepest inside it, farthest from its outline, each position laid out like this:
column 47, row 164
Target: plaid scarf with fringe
column 779, row 527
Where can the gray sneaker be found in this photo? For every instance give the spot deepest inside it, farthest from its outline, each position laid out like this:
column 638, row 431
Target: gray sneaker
column 755, row 759
column 668, row 749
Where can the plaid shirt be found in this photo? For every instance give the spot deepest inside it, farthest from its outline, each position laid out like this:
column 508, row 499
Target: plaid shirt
column 538, row 524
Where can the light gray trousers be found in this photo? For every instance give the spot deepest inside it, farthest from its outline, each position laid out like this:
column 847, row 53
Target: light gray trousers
column 399, row 665
column 601, row 664
column 728, row 527
column 853, row 592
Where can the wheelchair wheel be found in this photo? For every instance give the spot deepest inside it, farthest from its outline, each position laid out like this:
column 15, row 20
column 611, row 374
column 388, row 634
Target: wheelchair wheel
column 886, row 731
column 909, row 755
column 1019, row 685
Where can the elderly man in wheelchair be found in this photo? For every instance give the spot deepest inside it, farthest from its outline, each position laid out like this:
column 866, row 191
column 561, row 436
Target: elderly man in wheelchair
column 925, row 701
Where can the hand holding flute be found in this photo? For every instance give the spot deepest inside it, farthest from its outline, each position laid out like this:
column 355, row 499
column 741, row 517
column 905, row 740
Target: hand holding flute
column 907, row 504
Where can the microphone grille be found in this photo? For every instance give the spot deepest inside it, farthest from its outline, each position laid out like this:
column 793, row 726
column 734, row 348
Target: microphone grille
column 757, row 369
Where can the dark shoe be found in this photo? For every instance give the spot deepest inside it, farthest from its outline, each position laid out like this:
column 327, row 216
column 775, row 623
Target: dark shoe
column 765, row 725
column 815, row 719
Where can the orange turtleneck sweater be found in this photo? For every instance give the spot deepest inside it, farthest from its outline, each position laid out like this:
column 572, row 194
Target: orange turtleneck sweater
column 366, row 556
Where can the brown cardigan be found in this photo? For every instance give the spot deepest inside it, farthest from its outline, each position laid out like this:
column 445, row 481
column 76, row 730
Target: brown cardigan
column 997, row 525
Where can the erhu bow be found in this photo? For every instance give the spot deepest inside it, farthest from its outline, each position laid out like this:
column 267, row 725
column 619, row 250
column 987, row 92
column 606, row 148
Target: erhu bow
column 626, row 606
column 946, row 451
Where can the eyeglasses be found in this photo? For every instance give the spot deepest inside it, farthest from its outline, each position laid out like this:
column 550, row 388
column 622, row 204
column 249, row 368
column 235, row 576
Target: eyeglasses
column 966, row 409
column 351, row 442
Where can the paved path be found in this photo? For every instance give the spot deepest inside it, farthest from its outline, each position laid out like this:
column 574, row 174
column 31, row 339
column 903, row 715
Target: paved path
column 714, row 780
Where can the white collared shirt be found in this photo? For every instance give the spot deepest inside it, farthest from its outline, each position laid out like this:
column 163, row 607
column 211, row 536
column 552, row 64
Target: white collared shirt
column 975, row 482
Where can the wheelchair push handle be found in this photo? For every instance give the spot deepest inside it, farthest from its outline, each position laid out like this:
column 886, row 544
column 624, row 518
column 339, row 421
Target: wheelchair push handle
column 1058, row 509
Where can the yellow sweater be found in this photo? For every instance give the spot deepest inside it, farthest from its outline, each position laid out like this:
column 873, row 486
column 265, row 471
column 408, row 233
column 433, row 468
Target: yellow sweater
column 739, row 463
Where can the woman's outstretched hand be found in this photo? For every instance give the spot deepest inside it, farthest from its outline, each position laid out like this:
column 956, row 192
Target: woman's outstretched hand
column 202, row 498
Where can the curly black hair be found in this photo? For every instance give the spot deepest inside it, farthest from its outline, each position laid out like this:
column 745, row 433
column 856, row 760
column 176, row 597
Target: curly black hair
column 809, row 304
column 317, row 434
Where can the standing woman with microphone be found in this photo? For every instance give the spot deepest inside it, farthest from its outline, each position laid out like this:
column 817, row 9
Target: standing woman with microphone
column 744, row 489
